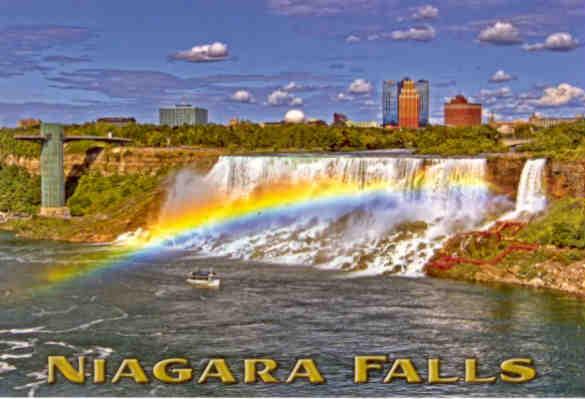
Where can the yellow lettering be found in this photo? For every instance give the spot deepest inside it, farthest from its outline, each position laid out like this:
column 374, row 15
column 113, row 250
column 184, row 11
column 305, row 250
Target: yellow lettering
column 130, row 368
column 306, row 368
column 471, row 373
column 251, row 371
column 217, row 368
column 66, row 369
column 362, row 365
column 99, row 371
column 403, row 368
column 515, row 371
column 161, row 371
column 435, row 373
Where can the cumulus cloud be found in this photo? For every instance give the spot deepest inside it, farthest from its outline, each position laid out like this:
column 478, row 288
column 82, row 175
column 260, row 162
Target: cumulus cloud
column 500, row 33
column 360, row 86
column 426, row 12
column 242, row 96
column 352, row 39
column 282, row 97
column 561, row 41
column 500, row 77
column 419, row 34
column 560, row 95
column 216, row 51
column 343, row 97
column 291, row 86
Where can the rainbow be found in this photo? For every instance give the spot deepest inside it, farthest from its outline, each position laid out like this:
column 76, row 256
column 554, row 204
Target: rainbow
column 225, row 212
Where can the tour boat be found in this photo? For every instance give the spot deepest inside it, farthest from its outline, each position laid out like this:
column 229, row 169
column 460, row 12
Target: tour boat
column 204, row 279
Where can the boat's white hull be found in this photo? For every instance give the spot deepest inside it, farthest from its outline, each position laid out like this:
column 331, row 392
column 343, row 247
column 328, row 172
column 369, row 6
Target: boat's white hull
column 213, row 284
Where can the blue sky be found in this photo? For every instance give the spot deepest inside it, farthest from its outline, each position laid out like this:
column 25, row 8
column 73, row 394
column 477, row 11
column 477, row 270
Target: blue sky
column 77, row 60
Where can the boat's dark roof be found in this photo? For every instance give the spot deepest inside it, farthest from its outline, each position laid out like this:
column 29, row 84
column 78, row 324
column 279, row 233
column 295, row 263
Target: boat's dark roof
column 202, row 274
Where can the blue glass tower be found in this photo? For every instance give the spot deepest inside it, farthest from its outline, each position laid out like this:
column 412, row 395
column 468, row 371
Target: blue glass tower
column 422, row 87
column 390, row 94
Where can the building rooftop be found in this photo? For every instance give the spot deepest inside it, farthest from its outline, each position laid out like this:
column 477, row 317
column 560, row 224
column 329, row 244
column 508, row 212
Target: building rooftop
column 460, row 99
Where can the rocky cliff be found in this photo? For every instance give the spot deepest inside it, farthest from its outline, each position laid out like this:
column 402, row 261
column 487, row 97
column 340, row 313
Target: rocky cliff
column 563, row 178
column 126, row 160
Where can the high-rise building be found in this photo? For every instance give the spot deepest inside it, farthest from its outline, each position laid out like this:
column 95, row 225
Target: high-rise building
column 182, row 114
column 391, row 91
column 459, row 112
column 390, row 94
column 422, row 86
column 408, row 105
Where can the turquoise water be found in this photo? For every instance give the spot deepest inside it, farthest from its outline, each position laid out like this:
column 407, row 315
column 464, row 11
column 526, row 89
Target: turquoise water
column 284, row 312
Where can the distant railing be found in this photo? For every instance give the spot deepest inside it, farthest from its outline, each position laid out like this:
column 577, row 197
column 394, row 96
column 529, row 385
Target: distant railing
column 447, row 262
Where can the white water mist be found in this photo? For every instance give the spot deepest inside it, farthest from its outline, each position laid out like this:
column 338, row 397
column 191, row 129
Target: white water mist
column 396, row 231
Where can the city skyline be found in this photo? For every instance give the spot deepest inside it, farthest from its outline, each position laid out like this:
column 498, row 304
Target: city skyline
column 78, row 60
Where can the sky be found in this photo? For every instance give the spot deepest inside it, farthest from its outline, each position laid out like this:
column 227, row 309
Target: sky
column 72, row 61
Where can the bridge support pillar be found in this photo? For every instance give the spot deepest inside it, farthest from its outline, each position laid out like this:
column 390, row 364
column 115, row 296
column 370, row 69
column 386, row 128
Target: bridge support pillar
column 52, row 172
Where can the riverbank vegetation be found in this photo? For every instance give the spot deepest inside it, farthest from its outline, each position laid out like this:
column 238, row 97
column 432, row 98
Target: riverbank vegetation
column 20, row 192
column 549, row 251
column 248, row 137
column 102, row 206
column 565, row 141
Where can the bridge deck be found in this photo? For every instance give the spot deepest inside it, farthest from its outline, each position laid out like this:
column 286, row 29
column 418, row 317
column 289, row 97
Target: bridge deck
column 516, row 142
column 77, row 138
column 97, row 138
column 30, row 138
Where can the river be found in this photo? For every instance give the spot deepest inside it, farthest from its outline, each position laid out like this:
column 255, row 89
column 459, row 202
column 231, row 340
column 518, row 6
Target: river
column 146, row 310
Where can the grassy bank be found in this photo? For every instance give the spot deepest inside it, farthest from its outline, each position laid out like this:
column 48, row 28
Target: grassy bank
column 103, row 208
column 551, row 254
column 20, row 192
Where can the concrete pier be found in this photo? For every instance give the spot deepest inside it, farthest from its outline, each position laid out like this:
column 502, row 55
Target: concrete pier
column 52, row 140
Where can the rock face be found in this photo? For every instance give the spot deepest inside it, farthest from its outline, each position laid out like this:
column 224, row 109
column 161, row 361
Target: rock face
column 563, row 178
column 503, row 173
column 126, row 160
column 566, row 178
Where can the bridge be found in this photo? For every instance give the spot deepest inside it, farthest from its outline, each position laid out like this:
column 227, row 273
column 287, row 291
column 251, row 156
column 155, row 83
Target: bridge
column 52, row 140
column 515, row 143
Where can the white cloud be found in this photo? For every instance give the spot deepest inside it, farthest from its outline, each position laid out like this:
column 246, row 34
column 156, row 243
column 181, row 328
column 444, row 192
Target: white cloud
column 344, row 97
column 292, row 86
column 360, row 86
column 561, row 41
column 352, row 39
column 216, row 51
column 501, row 76
column 419, row 34
column 281, row 97
column 560, row 95
column 497, row 93
column 242, row 96
column 426, row 12
column 502, row 33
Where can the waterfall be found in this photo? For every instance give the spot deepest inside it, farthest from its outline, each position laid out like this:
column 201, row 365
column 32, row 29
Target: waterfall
column 416, row 205
column 531, row 195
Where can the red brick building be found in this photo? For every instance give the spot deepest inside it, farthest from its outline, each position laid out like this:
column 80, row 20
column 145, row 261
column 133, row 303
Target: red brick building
column 408, row 106
column 460, row 112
